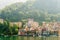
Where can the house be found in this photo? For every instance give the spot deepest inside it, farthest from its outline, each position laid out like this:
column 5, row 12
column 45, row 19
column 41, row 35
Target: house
column 19, row 24
column 1, row 20
column 32, row 23
column 31, row 26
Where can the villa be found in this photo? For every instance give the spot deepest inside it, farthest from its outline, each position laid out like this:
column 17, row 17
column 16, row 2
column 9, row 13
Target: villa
column 1, row 20
column 19, row 24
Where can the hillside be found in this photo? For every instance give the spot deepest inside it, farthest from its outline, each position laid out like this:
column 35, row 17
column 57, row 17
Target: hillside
column 39, row 10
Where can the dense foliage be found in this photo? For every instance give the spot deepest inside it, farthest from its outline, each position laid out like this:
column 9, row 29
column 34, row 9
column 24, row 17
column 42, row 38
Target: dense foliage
column 38, row 10
column 6, row 29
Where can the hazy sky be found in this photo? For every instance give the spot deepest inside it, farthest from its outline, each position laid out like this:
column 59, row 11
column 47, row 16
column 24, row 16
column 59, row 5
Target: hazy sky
column 3, row 3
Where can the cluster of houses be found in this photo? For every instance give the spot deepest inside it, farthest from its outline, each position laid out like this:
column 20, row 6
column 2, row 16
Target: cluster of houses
column 46, row 28
column 33, row 27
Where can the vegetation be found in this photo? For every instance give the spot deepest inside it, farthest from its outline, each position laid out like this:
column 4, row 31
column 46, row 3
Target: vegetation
column 30, row 9
column 6, row 29
column 23, row 11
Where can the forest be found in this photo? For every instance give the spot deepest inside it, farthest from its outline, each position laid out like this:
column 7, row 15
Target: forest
column 30, row 9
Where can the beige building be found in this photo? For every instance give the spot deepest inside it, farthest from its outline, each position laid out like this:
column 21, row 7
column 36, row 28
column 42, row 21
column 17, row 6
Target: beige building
column 1, row 20
column 19, row 24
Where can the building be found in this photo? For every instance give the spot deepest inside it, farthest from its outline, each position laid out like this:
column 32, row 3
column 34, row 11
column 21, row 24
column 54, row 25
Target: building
column 32, row 25
column 1, row 20
column 19, row 24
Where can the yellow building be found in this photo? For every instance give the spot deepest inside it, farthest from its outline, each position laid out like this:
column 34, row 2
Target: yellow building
column 19, row 24
column 1, row 20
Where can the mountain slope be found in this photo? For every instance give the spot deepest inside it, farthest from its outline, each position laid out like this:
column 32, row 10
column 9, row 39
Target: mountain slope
column 39, row 10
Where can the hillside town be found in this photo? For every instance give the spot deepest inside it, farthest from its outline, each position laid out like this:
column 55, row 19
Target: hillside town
column 46, row 29
column 34, row 28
